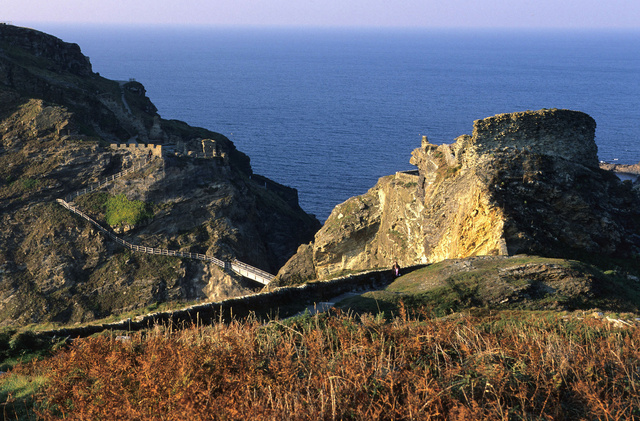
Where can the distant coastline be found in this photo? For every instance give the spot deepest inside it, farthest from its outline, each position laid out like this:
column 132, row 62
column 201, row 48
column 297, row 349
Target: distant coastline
column 631, row 169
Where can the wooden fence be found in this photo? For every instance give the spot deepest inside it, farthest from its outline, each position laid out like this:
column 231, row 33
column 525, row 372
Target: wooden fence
column 102, row 183
column 240, row 268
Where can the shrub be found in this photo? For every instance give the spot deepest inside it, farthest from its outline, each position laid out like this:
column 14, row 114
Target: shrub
column 5, row 337
column 95, row 202
column 25, row 341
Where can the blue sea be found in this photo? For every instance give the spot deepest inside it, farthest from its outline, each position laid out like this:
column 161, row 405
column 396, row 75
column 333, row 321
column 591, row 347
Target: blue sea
column 329, row 111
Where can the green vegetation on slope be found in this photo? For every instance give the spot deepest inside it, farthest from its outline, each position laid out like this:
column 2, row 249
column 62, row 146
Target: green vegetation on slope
column 116, row 210
column 129, row 281
column 17, row 387
column 121, row 210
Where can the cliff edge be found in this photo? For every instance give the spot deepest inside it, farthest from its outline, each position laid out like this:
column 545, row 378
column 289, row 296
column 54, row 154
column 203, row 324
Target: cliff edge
column 522, row 183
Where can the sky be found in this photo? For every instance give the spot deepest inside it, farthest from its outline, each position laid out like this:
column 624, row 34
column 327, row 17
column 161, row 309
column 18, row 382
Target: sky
column 611, row 14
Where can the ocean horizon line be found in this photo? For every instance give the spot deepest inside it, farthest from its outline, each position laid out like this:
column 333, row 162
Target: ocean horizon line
column 324, row 28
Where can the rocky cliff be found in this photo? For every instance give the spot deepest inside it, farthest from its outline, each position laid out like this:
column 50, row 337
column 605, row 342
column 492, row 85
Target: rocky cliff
column 59, row 123
column 524, row 182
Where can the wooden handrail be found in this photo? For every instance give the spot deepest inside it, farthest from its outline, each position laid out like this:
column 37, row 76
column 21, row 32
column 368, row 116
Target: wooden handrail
column 237, row 266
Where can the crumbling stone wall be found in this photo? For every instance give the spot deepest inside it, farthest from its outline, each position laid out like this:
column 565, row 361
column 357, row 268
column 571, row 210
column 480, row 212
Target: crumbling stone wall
column 564, row 133
column 138, row 148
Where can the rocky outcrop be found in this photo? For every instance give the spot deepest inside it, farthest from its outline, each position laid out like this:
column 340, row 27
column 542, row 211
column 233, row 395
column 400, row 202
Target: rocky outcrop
column 621, row 168
column 525, row 182
column 500, row 282
column 562, row 133
column 57, row 123
column 39, row 66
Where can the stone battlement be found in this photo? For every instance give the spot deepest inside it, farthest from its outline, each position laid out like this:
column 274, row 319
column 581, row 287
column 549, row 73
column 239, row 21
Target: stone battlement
column 138, row 148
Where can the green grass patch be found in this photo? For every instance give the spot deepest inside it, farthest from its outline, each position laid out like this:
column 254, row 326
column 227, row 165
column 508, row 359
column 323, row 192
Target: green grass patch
column 120, row 210
column 29, row 183
column 373, row 302
column 17, row 346
column 460, row 293
column 438, row 273
column 16, row 394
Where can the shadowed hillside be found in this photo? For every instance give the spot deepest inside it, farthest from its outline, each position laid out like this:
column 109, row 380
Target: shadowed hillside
column 59, row 122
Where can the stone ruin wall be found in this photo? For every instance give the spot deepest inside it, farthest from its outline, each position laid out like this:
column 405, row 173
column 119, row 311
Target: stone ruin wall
column 263, row 305
column 564, row 133
column 205, row 148
column 428, row 158
column 138, row 148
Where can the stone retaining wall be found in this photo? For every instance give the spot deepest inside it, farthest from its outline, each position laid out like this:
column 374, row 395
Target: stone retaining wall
column 281, row 302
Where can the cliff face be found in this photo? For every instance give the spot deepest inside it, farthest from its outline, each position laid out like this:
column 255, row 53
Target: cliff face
column 59, row 56
column 525, row 182
column 58, row 121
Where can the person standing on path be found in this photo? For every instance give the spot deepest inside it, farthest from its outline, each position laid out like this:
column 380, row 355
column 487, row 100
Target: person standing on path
column 396, row 269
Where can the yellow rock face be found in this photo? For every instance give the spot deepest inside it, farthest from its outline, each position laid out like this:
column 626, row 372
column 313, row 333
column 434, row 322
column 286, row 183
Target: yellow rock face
column 523, row 183
column 392, row 223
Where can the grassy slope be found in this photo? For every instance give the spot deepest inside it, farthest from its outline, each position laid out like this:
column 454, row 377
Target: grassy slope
column 454, row 285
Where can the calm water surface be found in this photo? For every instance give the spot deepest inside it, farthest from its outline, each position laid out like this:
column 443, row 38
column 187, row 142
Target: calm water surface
column 330, row 111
